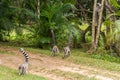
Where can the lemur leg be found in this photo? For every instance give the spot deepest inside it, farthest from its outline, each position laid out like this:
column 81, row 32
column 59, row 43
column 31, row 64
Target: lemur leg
column 64, row 55
column 19, row 70
column 69, row 53
column 53, row 54
column 23, row 71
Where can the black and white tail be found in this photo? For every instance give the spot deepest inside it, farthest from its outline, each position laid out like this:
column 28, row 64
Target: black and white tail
column 22, row 68
column 25, row 54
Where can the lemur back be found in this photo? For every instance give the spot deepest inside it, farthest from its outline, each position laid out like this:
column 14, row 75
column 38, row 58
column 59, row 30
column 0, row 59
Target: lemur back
column 55, row 50
column 22, row 69
column 67, row 51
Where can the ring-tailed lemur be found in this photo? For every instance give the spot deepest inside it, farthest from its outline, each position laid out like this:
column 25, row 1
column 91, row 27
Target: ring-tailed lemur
column 22, row 69
column 55, row 49
column 66, row 51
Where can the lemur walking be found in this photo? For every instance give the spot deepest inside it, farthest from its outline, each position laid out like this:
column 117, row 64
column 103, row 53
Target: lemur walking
column 55, row 49
column 22, row 69
column 66, row 49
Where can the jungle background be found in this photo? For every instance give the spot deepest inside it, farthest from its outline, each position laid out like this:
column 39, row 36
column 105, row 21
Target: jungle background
column 92, row 32
column 30, row 23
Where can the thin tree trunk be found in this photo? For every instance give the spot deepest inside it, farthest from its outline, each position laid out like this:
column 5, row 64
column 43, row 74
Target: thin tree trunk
column 38, row 8
column 38, row 11
column 93, row 24
column 99, row 25
column 108, row 11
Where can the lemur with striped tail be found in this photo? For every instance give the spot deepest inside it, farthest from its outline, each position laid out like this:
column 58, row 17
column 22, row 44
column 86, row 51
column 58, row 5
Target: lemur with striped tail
column 22, row 69
column 55, row 49
column 66, row 49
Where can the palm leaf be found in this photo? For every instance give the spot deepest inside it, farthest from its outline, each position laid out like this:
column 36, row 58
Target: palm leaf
column 115, row 4
column 117, row 30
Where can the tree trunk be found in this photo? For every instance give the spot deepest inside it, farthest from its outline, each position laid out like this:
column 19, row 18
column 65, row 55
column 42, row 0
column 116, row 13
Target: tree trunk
column 99, row 25
column 38, row 15
column 93, row 24
column 38, row 8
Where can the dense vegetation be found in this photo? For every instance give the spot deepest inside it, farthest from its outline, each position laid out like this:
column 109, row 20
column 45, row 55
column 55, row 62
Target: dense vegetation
column 29, row 22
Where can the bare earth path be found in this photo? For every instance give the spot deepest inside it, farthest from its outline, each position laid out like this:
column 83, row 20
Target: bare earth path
column 49, row 66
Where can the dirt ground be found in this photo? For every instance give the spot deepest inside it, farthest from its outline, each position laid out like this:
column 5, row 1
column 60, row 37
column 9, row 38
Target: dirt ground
column 45, row 65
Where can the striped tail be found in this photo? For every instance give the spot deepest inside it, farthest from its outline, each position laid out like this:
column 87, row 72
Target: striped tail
column 25, row 54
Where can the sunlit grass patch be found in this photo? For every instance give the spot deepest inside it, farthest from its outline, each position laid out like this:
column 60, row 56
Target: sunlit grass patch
column 83, row 58
column 11, row 74
column 5, row 52
column 40, row 51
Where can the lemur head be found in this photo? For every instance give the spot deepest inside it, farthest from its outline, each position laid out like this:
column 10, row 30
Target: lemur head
column 98, row 4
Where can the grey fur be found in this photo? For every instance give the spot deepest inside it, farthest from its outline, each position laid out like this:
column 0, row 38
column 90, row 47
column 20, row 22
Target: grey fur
column 55, row 50
column 22, row 69
column 67, row 51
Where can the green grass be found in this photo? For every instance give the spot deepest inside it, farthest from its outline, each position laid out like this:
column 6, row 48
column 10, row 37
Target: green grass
column 11, row 74
column 41, row 51
column 106, row 62
column 3, row 52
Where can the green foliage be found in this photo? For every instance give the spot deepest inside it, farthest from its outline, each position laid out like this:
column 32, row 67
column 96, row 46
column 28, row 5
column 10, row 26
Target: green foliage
column 110, row 27
column 106, row 57
column 115, row 4
column 84, row 26
column 59, row 15
column 95, row 60
column 117, row 30
column 114, row 33
column 11, row 17
column 70, row 1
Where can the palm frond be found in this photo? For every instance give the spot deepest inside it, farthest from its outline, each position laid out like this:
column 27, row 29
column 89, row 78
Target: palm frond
column 115, row 4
